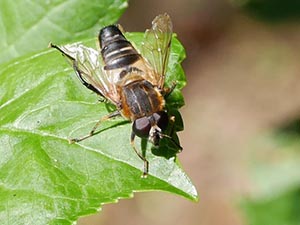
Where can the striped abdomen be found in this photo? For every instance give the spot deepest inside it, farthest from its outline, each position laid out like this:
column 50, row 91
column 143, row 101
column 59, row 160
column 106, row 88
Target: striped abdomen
column 139, row 99
column 116, row 51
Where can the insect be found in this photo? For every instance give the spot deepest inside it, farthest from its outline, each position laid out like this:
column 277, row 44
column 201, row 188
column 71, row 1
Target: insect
column 132, row 81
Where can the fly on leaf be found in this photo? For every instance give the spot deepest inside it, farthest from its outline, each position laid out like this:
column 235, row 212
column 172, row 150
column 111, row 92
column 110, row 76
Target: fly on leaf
column 131, row 80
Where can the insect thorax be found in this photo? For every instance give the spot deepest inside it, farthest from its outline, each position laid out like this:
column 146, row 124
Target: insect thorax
column 140, row 98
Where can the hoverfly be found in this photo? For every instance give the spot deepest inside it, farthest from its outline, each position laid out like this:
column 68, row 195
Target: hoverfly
column 133, row 82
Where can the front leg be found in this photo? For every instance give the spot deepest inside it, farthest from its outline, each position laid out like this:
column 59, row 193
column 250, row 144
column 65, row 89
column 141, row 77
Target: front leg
column 92, row 132
column 146, row 163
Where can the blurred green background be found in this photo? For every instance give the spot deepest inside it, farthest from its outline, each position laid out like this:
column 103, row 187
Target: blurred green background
column 242, row 137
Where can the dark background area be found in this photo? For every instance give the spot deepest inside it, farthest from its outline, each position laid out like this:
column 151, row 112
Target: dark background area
column 242, row 102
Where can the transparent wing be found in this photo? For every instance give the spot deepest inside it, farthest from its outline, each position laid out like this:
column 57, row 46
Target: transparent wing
column 156, row 46
column 89, row 69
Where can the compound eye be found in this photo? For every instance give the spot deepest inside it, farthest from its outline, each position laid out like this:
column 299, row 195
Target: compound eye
column 161, row 119
column 141, row 127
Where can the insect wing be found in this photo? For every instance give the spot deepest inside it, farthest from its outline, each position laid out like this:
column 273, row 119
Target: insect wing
column 89, row 69
column 156, row 46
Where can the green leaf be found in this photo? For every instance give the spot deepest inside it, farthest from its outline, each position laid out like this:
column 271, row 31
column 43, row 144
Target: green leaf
column 275, row 177
column 46, row 180
column 275, row 155
column 27, row 26
column 278, row 210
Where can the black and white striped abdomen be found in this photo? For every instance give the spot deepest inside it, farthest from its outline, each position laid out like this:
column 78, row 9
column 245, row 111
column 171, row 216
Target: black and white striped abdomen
column 116, row 51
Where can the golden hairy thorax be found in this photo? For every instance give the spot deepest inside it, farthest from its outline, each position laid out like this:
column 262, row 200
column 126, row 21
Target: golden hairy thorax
column 140, row 98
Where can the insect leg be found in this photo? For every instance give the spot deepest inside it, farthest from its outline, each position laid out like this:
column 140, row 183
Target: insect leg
column 76, row 68
column 172, row 121
column 92, row 132
column 168, row 90
column 172, row 140
column 60, row 50
column 79, row 75
column 146, row 163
